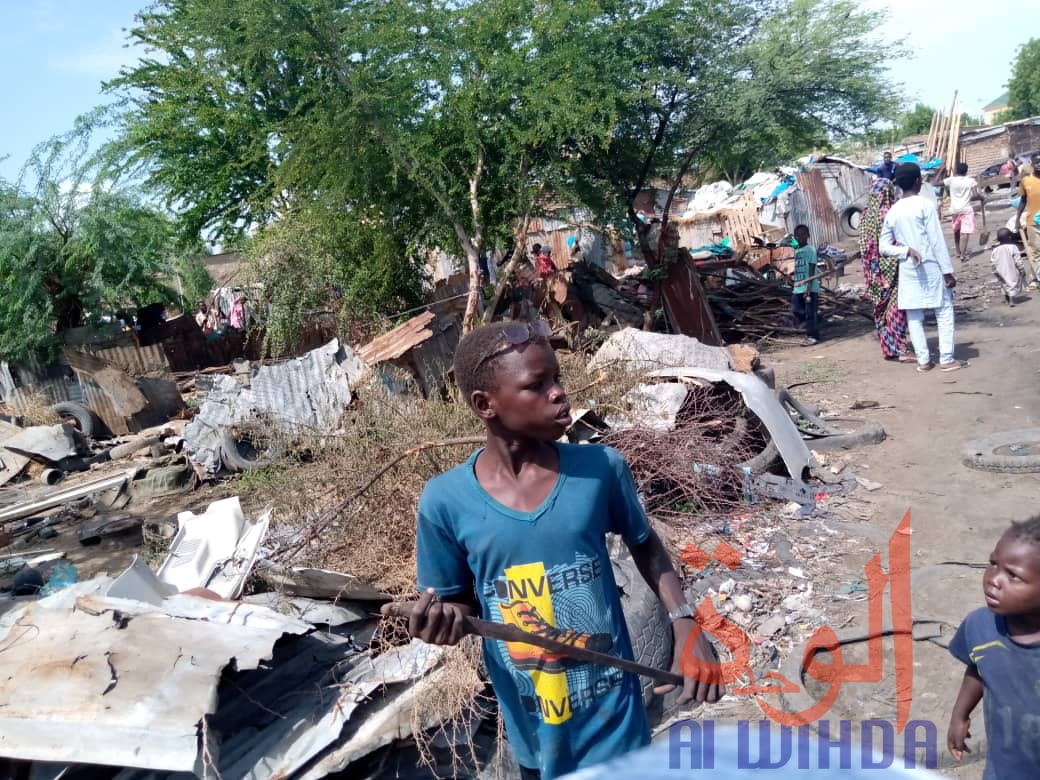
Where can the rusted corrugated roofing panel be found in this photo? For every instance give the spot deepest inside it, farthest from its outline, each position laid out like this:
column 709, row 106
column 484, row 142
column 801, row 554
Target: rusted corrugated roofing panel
column 52, row 391
column 811, row 206
column 397, row 342
column 135, row 360
column 99, row 402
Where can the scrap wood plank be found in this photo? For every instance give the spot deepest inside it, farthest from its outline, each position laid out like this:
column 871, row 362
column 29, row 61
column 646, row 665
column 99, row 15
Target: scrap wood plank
column 686, row 303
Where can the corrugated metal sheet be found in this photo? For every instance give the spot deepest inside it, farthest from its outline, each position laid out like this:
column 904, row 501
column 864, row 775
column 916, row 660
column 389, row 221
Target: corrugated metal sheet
column 433, row 358
column 310, row 391
column 132, row 692
column 811, row 206
column 97, row 400
column 135, row 360
column 392, row 345
column 846, row 184
column 51, row 391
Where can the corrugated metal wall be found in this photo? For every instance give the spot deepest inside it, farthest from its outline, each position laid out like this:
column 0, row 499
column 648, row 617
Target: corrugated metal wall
column 811, row 206
column 136, row 361
column 845, row 184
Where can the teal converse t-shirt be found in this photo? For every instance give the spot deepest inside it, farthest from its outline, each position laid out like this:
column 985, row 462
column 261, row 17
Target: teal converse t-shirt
column 546, row 571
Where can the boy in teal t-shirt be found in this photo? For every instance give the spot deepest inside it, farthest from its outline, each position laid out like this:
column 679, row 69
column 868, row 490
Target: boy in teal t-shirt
column 805, row 301
column 517, row 535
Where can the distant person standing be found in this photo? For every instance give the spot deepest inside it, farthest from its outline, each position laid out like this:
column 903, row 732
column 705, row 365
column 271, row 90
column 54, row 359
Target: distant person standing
column 237, row 315
column 1029, row 189
column 544, row 264
column 887, row 168
column 881, row 275
column 963, row 190
column 911, row 232
column 1007, row 266
column 805, row 300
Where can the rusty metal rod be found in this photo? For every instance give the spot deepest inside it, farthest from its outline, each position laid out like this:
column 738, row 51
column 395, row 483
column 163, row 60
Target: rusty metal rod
column 505, row 633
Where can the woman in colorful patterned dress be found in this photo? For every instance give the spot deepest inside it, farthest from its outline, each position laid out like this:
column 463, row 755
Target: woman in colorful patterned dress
column 881, row 275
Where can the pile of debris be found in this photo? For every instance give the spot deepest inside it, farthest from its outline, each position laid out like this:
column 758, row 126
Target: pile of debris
column 174, row 670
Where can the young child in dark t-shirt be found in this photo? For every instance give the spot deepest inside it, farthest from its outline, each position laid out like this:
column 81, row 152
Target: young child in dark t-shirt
column 1001, row 646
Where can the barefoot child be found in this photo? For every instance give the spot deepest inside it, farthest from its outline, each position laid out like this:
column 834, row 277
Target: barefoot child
column 1001, row 646
column 517, row 535
column 1008, row 265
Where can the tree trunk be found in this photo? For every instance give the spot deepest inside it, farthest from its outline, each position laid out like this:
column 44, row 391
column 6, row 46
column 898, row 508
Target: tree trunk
column 469, row 321
column 519, row 249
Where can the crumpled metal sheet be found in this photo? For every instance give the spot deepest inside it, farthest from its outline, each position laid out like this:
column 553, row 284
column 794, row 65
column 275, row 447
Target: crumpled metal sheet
column 309, row 393
column 380, row 723
column 339, row 715
column 53, row 442
column 94, row 679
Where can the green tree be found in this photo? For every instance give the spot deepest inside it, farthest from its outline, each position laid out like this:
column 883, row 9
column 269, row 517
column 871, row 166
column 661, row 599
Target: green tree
column 916, row 121
column 73, row 248
column 729, row 87
column 450, row 119
column 1024, row 87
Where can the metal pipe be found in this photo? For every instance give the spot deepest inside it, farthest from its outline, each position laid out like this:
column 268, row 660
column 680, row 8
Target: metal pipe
column 62, row 496
column 52, row 476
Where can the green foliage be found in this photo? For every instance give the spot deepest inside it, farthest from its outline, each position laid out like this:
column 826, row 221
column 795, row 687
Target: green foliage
column 360, row 132
column 916, row 121
column 194, row 282
column 317, row 259
column 1024, row 87
column 73, row 248
column 728, row 87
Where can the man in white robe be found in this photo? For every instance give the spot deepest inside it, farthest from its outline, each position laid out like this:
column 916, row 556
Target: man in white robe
column 912, row 233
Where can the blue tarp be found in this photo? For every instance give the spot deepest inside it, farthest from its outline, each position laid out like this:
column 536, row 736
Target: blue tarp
column 913, row 158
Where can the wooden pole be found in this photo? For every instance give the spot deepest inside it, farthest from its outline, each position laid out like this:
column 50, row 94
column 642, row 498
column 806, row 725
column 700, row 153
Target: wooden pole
column 941, row 136
column 955, row 131
column 947, row 162
column 932, row 132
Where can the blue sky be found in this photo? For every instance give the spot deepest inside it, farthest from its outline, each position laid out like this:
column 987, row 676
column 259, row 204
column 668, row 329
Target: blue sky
column 54, row 55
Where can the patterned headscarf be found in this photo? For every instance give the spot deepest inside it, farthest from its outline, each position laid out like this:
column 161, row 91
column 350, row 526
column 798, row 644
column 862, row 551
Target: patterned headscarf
column 882, row 196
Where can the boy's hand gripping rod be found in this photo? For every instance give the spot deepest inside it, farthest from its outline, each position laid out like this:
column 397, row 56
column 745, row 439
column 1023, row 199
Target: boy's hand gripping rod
column 489, row 630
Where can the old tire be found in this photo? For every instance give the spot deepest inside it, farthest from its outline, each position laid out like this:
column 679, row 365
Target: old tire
column 1014, row 452
column 850, row 221
column 79, row 416
column 648, row 624
column 244, row 452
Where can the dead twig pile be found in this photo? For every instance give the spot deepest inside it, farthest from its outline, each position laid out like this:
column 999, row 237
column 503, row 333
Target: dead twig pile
column 756, row 308
column 697, row 467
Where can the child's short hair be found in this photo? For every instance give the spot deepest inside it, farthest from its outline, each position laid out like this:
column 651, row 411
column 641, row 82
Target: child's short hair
column 962, row 168
column 1026, row 530
column 801, row 228
column 473, row 365
column 1005, row 236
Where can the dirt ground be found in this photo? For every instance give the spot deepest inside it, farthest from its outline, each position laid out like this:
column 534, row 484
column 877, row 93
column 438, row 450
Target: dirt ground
column 957, row 513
